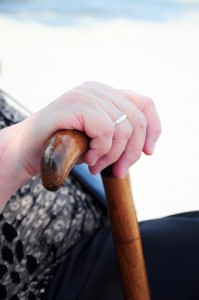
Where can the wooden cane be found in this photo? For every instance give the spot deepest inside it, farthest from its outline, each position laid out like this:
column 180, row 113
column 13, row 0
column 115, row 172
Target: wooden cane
column 60, row 153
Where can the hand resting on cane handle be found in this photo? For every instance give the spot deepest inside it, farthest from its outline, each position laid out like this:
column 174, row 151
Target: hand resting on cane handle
column 92, row 108
column 59, row 154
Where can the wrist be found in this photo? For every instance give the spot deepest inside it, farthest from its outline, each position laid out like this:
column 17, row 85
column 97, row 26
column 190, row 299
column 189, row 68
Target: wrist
column 12, row 173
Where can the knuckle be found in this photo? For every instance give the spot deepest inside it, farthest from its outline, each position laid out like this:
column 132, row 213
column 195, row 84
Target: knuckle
column 89, row 85
column 108, row 131
column 149, row 101
column 125, row 132
column 73, row 94
column 142, row 122
column 79, row 96
column 104, row 149
column 135, row 157
column 89, row 82
column 128, row 131
column 157, row 130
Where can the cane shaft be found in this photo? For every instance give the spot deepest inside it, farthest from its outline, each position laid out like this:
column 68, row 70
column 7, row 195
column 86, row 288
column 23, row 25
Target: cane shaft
column 126, row 236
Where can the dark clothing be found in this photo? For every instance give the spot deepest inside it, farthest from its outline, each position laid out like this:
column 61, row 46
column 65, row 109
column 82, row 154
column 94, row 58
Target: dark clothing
column 171, row 250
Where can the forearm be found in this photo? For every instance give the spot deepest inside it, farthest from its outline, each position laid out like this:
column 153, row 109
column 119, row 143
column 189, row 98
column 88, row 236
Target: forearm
column 12, row 173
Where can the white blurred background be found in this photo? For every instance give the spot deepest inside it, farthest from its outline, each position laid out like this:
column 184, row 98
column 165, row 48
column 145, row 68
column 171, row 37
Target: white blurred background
column 48, row 47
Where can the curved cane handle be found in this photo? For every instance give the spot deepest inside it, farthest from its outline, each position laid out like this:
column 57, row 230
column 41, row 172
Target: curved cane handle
column 59, row 155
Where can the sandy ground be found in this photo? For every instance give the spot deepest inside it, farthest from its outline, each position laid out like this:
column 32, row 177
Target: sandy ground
column 40, row 62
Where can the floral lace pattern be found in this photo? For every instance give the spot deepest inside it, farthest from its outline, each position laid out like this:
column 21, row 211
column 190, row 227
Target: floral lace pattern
column 38, row 229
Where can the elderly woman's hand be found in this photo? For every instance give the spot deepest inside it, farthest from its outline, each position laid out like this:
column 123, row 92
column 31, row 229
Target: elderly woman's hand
column 93, row 108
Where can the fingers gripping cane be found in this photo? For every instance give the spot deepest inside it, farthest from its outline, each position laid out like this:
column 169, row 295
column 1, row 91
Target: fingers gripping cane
column 60, row 153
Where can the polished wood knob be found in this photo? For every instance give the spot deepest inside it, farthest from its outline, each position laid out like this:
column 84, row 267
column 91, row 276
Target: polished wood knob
column 60, row 153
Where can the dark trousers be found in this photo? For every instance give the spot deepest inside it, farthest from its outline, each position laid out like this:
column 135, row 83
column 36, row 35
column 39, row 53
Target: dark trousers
column 171, row 250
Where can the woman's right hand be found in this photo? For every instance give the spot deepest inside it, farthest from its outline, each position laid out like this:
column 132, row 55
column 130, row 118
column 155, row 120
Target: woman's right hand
column 93, row 108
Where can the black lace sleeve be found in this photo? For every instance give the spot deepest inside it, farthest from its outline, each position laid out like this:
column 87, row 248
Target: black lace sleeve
column 39, row 228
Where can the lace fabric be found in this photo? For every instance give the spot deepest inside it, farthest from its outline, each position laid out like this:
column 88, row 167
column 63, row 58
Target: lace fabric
column 39, row 228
